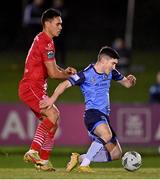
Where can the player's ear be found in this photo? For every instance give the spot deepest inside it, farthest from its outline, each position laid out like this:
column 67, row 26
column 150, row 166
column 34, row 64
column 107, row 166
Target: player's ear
column 103, row 59
column 47, row 23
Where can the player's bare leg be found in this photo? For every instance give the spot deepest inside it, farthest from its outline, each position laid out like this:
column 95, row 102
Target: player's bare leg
column 104, row 132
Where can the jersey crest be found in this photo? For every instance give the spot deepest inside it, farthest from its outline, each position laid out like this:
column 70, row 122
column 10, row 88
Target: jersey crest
column 93, row 80
column 50, row 54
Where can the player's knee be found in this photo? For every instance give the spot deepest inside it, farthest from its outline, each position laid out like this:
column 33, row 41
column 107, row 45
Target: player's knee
column 55, row 126
column 106, row 137
column 104, row 140
column 52, row 114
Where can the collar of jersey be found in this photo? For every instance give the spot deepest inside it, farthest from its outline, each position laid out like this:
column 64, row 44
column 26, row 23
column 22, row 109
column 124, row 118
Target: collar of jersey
column 98, row 72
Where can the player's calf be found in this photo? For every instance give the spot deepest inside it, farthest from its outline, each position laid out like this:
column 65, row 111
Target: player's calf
column 116, row 153
column 113, row 148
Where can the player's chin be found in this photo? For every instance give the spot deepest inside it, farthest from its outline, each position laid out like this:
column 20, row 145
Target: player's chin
column 58, row 33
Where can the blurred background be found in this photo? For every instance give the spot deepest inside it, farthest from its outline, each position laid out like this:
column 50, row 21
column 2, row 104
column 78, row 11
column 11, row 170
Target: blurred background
column 131, row 27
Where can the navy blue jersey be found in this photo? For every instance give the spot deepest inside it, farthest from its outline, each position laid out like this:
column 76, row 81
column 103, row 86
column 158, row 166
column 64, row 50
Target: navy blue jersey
column 95, row 87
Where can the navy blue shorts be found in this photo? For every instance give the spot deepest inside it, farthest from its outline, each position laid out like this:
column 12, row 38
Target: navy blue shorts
column 92, row 118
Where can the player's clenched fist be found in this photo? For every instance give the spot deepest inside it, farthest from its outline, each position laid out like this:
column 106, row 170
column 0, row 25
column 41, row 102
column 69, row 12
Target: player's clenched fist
column 70, row 71
column 131, row 79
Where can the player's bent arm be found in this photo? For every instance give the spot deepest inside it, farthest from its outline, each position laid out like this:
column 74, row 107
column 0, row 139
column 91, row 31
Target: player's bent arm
column 128, row 81
column 54, row 72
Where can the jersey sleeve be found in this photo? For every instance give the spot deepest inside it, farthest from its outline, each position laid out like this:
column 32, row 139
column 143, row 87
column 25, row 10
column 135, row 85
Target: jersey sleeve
column 77, row 79
column 47, row 51
column 116, row 75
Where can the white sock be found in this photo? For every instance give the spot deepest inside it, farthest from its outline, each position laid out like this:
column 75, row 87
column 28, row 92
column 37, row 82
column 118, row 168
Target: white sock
column 101, row 156
column 85, row 162
column 94, row 148
column 81, row 157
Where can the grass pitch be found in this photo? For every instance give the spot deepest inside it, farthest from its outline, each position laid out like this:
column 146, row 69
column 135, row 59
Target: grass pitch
column 100, row 173
column 12, row 166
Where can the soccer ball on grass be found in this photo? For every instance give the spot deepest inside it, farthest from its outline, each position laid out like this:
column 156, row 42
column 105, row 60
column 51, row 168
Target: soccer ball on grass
column 131, row 160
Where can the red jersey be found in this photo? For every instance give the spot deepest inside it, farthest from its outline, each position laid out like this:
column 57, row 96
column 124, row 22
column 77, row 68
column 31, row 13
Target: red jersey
column 35, row 72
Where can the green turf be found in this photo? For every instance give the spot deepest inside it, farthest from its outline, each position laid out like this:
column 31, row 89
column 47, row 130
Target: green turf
column 144, row 66
column 61, row 160
column 12, row 165
column 100, row 173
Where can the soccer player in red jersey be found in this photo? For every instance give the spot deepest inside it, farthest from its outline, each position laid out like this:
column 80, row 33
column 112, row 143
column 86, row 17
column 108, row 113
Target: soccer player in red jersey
column 41, row 64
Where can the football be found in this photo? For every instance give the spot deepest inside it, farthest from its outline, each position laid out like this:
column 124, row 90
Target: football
column 131, row 160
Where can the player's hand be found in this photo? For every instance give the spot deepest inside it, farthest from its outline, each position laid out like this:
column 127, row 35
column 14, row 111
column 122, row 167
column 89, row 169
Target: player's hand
column 46, row 103
column 131, row 79
column 71, row 71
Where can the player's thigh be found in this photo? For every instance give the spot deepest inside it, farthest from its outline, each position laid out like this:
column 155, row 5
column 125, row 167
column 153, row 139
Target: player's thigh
column 31, row 97
column 103, row 131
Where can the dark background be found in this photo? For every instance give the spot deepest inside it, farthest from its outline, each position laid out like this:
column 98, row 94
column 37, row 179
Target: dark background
column 91, row 24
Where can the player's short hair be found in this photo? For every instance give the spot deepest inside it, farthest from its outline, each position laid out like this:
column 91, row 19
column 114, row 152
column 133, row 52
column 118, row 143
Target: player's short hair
column 109, row 52
column 49, row 14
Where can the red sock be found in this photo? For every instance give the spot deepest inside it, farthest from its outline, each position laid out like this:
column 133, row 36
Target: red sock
column 44, row 154
column 47, row 147
column 42, row 130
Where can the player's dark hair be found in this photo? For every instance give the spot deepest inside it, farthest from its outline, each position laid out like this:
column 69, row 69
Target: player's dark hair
column 109, row 52
column 49, row 14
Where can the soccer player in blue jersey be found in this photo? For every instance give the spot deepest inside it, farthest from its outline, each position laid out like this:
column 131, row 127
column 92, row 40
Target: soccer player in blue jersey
column 94, row 82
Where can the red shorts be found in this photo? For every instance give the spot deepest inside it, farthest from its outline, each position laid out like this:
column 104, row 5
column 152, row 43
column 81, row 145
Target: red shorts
column 31, row 95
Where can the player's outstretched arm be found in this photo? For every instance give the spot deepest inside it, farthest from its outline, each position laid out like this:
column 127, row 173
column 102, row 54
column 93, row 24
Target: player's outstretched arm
column 49, row 101
column 128, row 81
